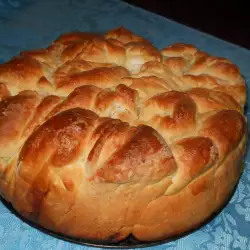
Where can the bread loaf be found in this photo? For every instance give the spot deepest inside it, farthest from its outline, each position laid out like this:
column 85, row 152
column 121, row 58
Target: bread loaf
column 106, row 136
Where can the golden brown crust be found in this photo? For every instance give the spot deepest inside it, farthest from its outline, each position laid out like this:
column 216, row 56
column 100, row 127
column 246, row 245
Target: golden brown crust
column 171, row 215
column 139, row 53
column 16, row 111
column 21, row 73
column 103, row 77
column 4, row 92
column 124, row 36
column 75, row 36
column 198, row 69
column 103, row 136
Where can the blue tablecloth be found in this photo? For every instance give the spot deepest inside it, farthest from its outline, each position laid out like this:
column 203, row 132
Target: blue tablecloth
column 26, row 24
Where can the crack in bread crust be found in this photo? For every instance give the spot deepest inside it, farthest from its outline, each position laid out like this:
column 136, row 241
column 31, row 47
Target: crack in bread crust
column 103, row 136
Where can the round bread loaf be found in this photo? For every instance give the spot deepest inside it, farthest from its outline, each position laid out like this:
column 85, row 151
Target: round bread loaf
column 106, row 136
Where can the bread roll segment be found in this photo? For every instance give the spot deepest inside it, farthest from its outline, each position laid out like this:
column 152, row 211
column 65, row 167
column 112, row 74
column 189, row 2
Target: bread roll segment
column 104, row 136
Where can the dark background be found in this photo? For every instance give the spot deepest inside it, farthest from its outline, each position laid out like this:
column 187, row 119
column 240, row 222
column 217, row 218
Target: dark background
column 224, row 19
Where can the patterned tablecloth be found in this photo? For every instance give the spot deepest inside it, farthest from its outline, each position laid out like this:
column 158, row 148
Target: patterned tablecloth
column 26, row 24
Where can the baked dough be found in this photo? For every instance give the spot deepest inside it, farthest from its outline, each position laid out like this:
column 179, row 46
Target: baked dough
column 104, row 136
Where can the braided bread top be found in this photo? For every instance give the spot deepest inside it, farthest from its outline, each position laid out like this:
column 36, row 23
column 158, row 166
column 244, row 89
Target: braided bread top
column 114, row 109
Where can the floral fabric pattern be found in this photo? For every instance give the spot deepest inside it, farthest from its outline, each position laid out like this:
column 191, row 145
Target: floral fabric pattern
column 28, row 24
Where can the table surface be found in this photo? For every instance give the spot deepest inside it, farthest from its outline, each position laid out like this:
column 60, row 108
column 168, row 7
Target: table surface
column 28, row 24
